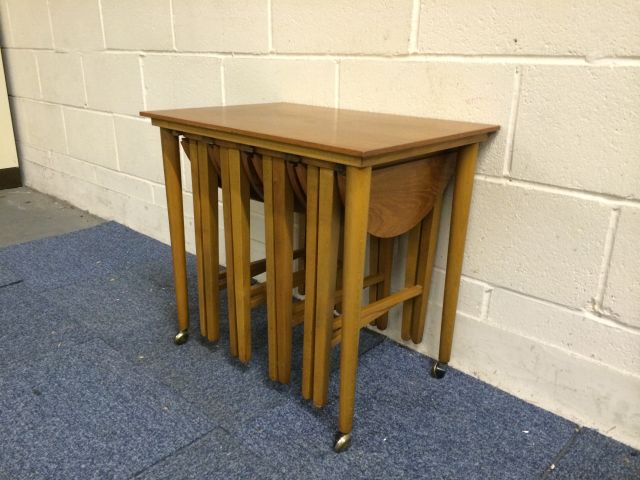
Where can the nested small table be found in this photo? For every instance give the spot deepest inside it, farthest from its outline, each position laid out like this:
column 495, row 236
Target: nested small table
column 351, row 173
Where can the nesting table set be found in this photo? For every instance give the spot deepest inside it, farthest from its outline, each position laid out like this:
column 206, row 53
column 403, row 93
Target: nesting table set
column 349, row 175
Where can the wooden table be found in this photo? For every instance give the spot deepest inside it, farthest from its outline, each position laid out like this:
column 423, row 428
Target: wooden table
column 372, row 164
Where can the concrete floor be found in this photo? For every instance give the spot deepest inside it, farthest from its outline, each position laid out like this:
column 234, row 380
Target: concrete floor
column 26, row 215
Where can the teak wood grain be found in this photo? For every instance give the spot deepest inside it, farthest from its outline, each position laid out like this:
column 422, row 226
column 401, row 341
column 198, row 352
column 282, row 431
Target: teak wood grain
column 283, row 242
column 310, row 281
column 347, row 132
column 328, row 237
column 463, row 188
column 209, row 217
column 173, row 182
column 272, row 333
column 241, row 250
column 355, row 238
column 229, row 247
column 385, row 266
column 191, row 149
column 365, row 172
column 426, row 258
column 410, row 272
column 402, row 195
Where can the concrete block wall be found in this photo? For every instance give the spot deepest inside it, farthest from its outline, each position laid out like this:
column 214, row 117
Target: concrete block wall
column 550, row 301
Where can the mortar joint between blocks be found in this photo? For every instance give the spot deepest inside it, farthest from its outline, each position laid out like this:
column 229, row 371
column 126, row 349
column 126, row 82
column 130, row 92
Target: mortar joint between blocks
column 609, row 243
column 8, row 12
column 223, row 94
column 173, row 27
column 512, row 125
column 104, row 35
column 142, row 82
column 269, row 26
column 37, row 64
column 415, row 27
column 84, row 82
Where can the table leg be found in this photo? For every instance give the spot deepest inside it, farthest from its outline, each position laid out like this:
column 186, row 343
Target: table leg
column 426, row 257
column 413, row 250
column 385, row 265
column 229, row 247
column 311, row 252
column 283, row 247
column 239, row 193
column 173, row 187
column 193, row 154
column 328, row 234
column 209, row 218
column 358, row 188
column 463, row 188
column 272, row 324
column 302, row 235
column 374, row 262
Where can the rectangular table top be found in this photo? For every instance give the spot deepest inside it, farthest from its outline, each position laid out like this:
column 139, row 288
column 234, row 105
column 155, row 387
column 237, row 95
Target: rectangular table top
column 353, row 133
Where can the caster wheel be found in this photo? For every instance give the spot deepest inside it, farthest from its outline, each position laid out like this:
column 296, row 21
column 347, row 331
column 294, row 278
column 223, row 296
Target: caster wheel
column 438, row 370
column 181, row 337
column 342, row 442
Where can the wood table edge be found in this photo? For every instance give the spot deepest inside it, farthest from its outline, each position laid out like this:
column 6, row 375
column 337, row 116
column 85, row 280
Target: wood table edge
column 371, row 158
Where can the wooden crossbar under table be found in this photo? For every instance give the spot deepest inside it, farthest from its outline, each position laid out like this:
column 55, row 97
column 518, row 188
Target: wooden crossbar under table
column 359, row 173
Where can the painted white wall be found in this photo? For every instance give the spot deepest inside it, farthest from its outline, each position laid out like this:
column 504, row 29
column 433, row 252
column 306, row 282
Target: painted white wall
column 550, row 304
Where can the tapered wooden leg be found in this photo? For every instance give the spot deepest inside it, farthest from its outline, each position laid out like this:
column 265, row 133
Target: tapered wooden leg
column 283, row 241
column 229, row 248
column 193, row 155
column 239, row 186
column 411, row 267
column 311, row 253
column 426, row 257
column 328, row 233
column 358, row 187
column 302, row 235
column 209, row 218
column 338, row 306
column 173, row 186
column 272, row 324
column 374, row 261
column 463, row 188
column 385, row 264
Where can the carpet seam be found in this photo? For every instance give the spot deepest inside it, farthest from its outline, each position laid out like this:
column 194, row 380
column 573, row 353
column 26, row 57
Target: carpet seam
column 145, row 372
column 384, row 339
column 561, row 453
column 17, row 282
column 174, row 452
column 44, row 354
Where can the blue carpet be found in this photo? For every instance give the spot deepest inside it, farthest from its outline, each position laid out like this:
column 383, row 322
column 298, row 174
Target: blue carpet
column 407, row 423
column 83, row 412
column 216, row 455
column 595, row 456
column 7, row 277
column 91, row 386
column 134, row 311
column 31, row 327
column 71, row 258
